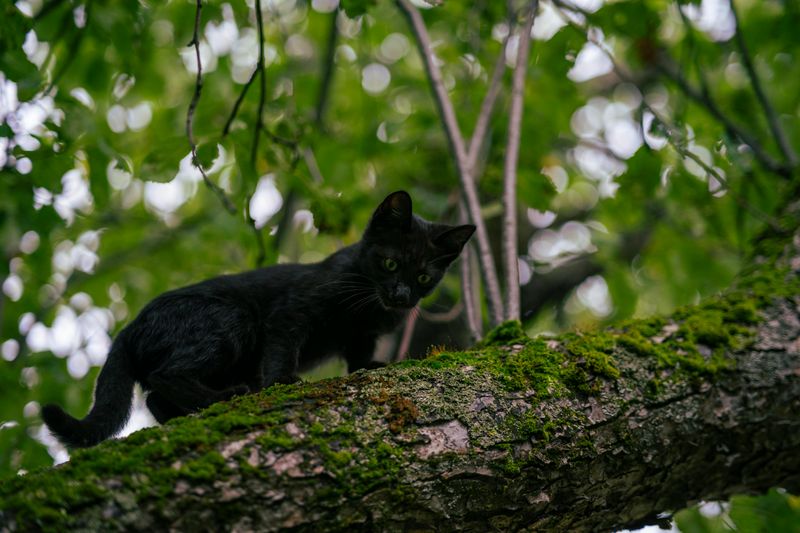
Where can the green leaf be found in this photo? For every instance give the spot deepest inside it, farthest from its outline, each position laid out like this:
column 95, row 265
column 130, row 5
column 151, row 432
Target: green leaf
column 535, row 189
column 355, row 8
column 162, row 163
column 332, row 214
column 631, row 19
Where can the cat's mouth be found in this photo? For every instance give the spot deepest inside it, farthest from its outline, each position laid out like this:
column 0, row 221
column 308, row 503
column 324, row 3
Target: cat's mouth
column 391, row 304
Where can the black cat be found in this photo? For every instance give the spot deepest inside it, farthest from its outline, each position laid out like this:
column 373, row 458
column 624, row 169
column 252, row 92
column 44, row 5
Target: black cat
column 236, row 334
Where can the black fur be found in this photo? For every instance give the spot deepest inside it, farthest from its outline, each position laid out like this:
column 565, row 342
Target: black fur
column 236, row 334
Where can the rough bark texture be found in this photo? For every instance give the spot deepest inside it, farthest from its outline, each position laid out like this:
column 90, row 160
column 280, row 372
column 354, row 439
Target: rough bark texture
column 586, row 431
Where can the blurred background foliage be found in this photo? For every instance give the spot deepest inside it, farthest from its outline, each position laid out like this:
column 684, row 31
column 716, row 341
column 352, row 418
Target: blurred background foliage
column 634, row 197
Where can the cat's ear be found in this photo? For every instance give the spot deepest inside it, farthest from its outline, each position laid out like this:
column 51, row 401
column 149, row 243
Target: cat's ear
column 453, row 239
column 394, row 212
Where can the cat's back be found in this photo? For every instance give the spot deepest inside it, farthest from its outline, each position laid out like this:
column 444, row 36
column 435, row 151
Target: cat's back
column 231, row 302
column 254, row 285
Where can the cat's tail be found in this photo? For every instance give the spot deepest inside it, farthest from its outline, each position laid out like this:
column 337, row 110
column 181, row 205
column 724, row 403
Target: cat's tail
column 113, row 395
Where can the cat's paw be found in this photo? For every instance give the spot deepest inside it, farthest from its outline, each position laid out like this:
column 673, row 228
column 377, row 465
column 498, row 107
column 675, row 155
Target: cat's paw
column 288, row 380
column 237, row 390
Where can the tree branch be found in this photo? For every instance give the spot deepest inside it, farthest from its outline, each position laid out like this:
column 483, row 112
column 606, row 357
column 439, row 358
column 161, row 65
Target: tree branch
column 198, row 87
column 772, row 118
column 510, row 170
column 478, row 138
column 456, row 141
column 700, row 96
column 238, row 103
column 263, row 83
column 408, row 334
column 583, row 432
column 673, row 135
column 444, row 316
column 469, row 292
column 327, row 70
column 705, row 101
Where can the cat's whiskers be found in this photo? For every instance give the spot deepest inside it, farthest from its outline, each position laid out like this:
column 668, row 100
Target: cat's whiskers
column 360, row 304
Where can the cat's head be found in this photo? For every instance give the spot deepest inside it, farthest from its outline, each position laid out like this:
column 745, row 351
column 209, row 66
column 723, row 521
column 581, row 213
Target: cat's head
column 406, row 256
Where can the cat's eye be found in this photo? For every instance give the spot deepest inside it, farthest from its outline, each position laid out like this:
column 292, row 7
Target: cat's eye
column 390, row 264
column 423, row 279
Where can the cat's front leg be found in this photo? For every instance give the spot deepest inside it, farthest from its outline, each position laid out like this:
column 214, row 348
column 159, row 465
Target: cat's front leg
column 279, row 362
column 359, row 352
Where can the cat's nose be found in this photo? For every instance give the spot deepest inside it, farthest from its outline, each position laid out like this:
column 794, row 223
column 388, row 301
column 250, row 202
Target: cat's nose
column 401, row 295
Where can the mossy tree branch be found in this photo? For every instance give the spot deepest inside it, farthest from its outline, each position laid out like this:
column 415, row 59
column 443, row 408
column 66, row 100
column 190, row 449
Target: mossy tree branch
column 586, row 431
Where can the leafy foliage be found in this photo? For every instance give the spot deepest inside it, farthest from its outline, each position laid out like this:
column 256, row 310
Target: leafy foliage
column 775, row 511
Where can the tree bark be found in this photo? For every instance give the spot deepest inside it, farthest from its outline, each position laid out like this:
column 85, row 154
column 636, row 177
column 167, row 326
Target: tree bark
column 582, row 432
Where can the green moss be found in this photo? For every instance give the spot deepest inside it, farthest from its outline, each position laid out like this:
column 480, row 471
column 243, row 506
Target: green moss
column 504, row 334
column 706, row 327
column 276, row 440
column 650, row 327
column 378, row 464
column 701, row 339
column 207, row 467
column 534, row 366
column 653, row 388
column 593, row 351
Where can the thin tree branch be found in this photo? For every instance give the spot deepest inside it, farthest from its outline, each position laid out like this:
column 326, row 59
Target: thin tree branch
column 487, row 106
column 238, row 103
column 263, row 83
column 408, row 334
column 327, row 70
column 693, row 51
column 446, row 316
column 261, row 256
column 772, row 118
column 673, row 135
column 766, row 160
column 468, row 290
column 510, row 170
column 712, row 172
column 456, row 141
column 198, row 87
column 703, row 98
column 311, row 163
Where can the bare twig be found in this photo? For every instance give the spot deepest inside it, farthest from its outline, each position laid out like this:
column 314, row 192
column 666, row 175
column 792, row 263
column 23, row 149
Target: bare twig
column 263, row 83
column 238, row 103
column 469, row 293
column 456, row 141
column 408, row 334
column 693, row 51
column 700, row 96
column 327, row 70
column 772, row 118
column 510, row 171
column 446, row 316
column 261, row 255
column 766, row 160
column 673, row 135
column 311, row 163
column 713, row 172
column 198, row 87
column 487, row 106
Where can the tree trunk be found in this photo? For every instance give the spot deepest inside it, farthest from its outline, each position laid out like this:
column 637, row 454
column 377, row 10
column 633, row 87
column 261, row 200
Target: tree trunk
column 585, row 431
